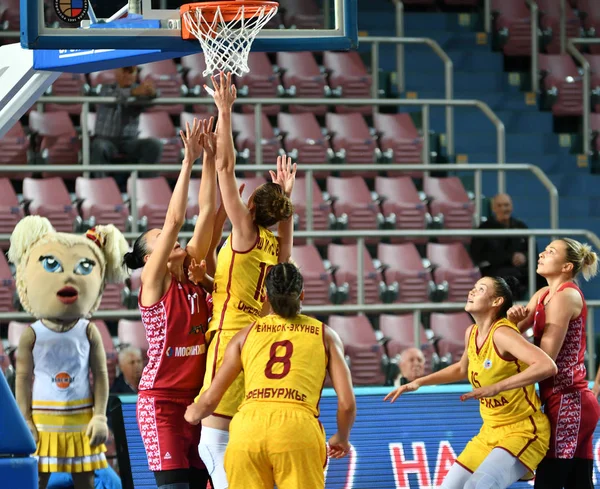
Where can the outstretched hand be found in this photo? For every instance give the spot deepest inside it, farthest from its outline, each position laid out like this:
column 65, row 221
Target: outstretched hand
column 191, row 140
column 396, row 393
column 224, row 91
column 196, row 271
column 286, row 174
column 481, row 392
column 516, row 314
column 208, row 138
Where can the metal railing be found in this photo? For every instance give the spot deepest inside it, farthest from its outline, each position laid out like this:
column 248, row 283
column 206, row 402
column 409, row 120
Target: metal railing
column 415, row 308
column 400, row 78
column 258, row 103
column 535, row 49
column 309, row 172
column 587, row 110
column 448, row 74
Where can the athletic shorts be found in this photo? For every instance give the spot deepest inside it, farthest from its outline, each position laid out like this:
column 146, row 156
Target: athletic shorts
column 273, row 445
column 573, row 417
column 170, row 441
column 527, row 440
column 214, row 359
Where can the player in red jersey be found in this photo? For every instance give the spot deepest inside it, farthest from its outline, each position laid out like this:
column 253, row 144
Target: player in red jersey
column 175, row 314
column 558, row 314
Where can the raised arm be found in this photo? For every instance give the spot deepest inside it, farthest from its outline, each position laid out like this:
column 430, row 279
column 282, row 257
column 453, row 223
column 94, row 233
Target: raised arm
column 199, row 245
column 230, row 369
column 239, row 215
column 285, row 177
column 339, row 444
column 523, row 316
column 454, row 373
column 509, row 343
column 155, row 270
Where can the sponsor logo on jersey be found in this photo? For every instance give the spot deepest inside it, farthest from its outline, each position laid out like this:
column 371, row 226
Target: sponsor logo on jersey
column 167, row 456
column 185, row 351
column 197, row 329
column 63, row 380
column 487, row 364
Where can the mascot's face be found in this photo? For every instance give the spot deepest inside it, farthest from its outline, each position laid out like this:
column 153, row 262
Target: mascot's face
column 63, row 282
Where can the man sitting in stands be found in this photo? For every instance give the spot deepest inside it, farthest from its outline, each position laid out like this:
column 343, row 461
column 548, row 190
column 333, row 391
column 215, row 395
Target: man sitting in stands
column 131, row 365
column 412, row 366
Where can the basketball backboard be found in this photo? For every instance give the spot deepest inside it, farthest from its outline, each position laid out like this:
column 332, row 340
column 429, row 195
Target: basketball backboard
column 73, row 25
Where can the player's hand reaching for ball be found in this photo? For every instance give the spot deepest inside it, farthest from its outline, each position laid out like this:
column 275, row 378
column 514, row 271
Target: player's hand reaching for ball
column 396, row 393
column 286, row 174
column 191, row 141
column 516, row 314
column 337, row 447
column 224, row 92
column 208, row 138
column 196, row 271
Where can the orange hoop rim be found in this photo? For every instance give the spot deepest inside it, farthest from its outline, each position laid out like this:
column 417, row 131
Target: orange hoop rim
column 229, row 8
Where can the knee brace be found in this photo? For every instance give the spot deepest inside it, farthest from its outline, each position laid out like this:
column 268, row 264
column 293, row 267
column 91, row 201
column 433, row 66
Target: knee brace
column 483, row 481
column 213, row 444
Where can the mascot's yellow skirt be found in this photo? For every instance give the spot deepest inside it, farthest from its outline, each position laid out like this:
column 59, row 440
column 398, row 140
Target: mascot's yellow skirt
column 63, row 445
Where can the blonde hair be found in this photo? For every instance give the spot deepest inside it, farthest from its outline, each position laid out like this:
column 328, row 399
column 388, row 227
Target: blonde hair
column 584, row 260
column 107, row 244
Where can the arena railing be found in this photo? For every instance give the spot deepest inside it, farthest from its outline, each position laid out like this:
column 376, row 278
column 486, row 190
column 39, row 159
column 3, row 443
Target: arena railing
column 258, row 103
column 415, row 308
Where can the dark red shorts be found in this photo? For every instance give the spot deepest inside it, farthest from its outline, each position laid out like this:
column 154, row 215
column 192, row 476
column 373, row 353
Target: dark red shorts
column 573, row 419
column 170, row 441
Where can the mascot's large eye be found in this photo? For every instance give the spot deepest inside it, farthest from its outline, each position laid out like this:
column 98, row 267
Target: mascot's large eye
column 51, row 264
column 84, row 267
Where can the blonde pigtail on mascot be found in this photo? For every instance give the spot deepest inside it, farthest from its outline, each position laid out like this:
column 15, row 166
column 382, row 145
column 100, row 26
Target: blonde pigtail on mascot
column 60, row 279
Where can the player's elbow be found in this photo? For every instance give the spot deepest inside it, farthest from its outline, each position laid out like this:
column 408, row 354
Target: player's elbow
column 347, row 406
column 550, row 367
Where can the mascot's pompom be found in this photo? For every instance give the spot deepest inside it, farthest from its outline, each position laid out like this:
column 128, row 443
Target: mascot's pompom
column 27, row 232
column 114, row 247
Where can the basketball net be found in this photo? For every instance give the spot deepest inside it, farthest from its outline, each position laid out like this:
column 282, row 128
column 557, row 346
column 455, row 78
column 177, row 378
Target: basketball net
column 227, row 36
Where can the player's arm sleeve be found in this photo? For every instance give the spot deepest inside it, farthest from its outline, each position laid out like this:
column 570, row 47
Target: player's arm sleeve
column 24, row 372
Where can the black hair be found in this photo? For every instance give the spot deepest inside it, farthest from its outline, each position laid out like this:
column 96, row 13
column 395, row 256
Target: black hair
column 284, row 286
column 134, row 259
column 508, row 289
column 271, row 205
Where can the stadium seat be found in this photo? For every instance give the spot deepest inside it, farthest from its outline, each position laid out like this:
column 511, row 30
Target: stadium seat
column 303, row 140
column 4, row 358
column 400, row 141
column 512, row 27
column 364, row 354
column 323, row 217
column 262, row 81
column 450, row 328
column 400, row 198
column 159, row 125
column 10, row 210
column 304, row 14
column 67, row 85
column 302, row 78
column 451, row 201
column 401, row 333
column 153, row 196
column 562, row 86
column 589, row 10
column 101, row 202
column 15, row 330
column 50, row 198
column 402, row 265
column 109, row 348
column 9, row 13
column 7, row 291
column 14, row 147
column 112, row 297
column 244, row 129
column 352, row 140
column 317, row 279
column 453, row 265
column 343, row 258
column 348, row 72
column 594, row 61
column 167, row 81
column 133, row 333
column 56, row 138
column 550, row 11
column 595, row 128
column 98, row 78
column 354, row 205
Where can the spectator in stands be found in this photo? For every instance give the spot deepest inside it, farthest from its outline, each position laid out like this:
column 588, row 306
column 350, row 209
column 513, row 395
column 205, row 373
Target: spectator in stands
column 502, row 257
column 117, row 125
column 131, row 365
column 412, row 366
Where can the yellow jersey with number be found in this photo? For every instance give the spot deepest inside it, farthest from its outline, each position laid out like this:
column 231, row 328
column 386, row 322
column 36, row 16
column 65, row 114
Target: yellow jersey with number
column 239, row 282
column 285, row 361
column 487, row 367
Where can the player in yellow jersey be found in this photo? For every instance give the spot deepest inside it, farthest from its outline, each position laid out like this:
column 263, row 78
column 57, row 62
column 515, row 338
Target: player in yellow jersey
column 242, row 266
column 502, row 368
column 276, row 438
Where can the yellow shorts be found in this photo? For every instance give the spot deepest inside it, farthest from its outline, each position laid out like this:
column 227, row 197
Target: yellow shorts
column 214, row 359
column 273, row 445
column 526, row 440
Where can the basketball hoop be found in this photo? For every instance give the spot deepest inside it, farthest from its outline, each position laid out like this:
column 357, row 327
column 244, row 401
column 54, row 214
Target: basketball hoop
column 226, row 31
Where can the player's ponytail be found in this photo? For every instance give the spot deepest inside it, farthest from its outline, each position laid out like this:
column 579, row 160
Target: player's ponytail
column 508, row 289
column 284, row 289
column 584, row 260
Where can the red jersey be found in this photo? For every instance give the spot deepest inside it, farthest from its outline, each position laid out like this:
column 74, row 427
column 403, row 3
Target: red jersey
column 175, row 328
column 571, row 375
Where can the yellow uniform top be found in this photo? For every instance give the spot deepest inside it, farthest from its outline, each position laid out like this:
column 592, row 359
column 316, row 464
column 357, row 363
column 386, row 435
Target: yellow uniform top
column 486, row 367
column 285, row 361
column 239, row 287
